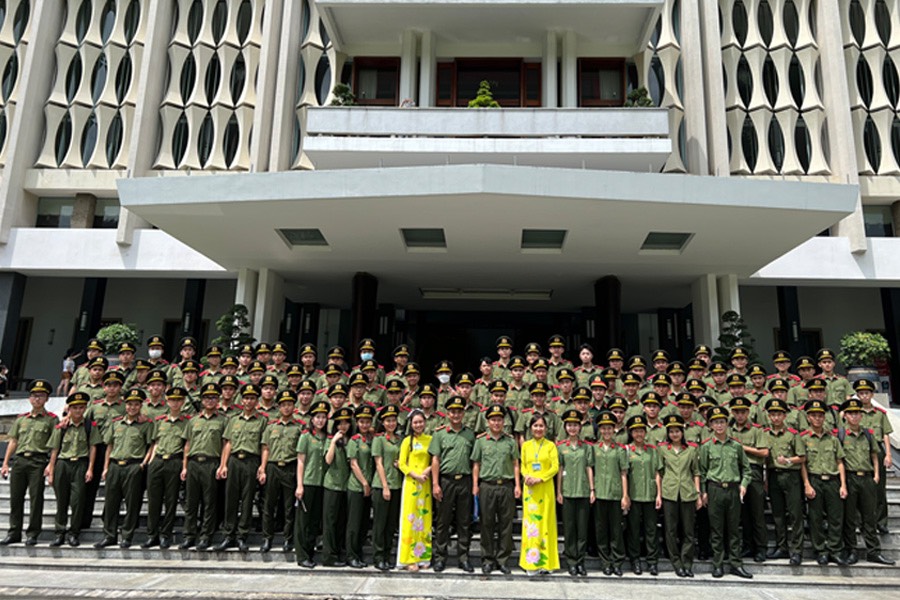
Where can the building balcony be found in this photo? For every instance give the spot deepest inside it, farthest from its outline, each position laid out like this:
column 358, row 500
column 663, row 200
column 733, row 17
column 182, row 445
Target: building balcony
column 618, row 139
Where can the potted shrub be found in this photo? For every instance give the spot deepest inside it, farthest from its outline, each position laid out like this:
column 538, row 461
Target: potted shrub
column 484, row 98
column 115, row 334
column 639, row 98
column 861, row 352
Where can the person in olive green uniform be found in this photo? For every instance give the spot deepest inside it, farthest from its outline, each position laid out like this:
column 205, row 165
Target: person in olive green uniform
column 465, row 386
column 825, row 485
column 73, row 450
column 94, row 349
column 538, row 403
column 876, row 420
column 310, row 473
column 787, row 453
column 128, row 441
column 95, row 385
column 164, row 470
column 334, row 497
column 643, row 464
column 156, row 405
column 495, row 474
column 239, row 467
column 359, row 484
column 575, row 491
column 202, row 451
column 278, row 470
column 863, row 473
column 450, row 448
column 753, row 510
column 839, row 388
column 29, row 443
column 724, row 477
column 386, row 488
column 610, row 487
column 101, row 412
column 679, row 494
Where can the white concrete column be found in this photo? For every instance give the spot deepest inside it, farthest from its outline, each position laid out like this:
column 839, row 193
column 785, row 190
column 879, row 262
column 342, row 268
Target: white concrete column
column 713, row 83
column 18, row 208
column 428, row 70
column 694, row 102
column 549, row 69
column 263, row 115
column 836, row 98
column 569, row 70
column 408, row 64
column 269, row 305
column 286, row 86
column 705, row 304
column 728, row 294
column 245, row 290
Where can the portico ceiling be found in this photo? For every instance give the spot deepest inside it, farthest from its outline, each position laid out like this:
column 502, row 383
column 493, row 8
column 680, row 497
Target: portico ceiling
column 738, row 226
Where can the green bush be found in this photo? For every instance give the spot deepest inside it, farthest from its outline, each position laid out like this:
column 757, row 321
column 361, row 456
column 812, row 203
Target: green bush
column 117, row 333
column 639, row 98
column 485, row 98
column 863, row 349
column 342, row 95
column 233, row 326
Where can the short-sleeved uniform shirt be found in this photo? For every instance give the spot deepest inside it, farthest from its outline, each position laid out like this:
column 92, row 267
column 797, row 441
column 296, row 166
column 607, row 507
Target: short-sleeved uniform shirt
column 169, row 434
column 678, row 468
column 610, row 461
column 359, row 448
column 313, row 447
column 497, row 456
column 574, row 460
column 388, row 449
column 74, row 441
column 824, row 452
column 204, row 433
column 32, row 432
column 130, row 440
column 453, row 449
column 281, row 439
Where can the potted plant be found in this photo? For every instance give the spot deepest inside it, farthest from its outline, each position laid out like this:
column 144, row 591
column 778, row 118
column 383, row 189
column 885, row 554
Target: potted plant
column 342, row 95
column 861, row 351
column 115, row 334
column 484, row 98
column 639, row 98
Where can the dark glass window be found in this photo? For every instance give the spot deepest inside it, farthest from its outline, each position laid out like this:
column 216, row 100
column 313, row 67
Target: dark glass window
column 878, row 220
column 106, row 213
column 55, row 212
column 376, row 81
column 601, row 82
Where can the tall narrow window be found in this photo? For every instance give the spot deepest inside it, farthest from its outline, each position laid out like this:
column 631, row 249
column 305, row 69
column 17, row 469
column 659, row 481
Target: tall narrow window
column 601, row 82
column 376, row 81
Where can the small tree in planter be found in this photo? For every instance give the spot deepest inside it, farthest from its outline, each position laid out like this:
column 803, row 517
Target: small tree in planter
column 233, row 326
column 861, row 349
column 342, row 95
column 734, row 334
column 485, row 98
column 117, row 333
column 639, row 98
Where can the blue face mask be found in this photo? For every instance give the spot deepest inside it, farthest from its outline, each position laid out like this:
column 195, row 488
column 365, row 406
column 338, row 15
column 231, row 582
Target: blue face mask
column 367, row 355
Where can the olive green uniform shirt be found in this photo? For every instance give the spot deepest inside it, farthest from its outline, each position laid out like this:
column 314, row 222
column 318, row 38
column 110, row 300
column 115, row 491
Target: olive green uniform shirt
column 643, row 463
column 130, row 440
column 281, row 438
column 94, row 391
column 389, row 452
column 858, row 450
column 313, row 447
column 787, row 443
column 360, row 449
column 245, row 433
column 154, row 411
column 102, row 414
column 509, row 422
column 750, row 435
column 73, row 441
column 32, row 432
column 823, row 453
column 877, row 421
column 554, row 431
column 574, row 460
column 205, row 434
column 724, row 462
column 453, row 449
column 678, row 470
column 338, row 471
column 838, row 390
column 497, row 456
column 609, row 464
column 169, row 434
column 518, row 397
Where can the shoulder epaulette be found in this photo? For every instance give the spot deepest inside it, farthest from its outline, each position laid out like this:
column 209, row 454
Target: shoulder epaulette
column 650, row 446
column 879, row 409
column 25, row 414
column 481, row 435
column 161, row 418
column 54, row 415
column 273, row 421
column 706, row 440
column 693, row 444
column 441, row 428
column 440, row 414
column 757, row 425
column 330, row 437
column 561, row 442
column 98, row 401
column 118, row 418
column 59, row 426
column 298, row 421
column 871, row 431
column 356, row 437
column 792, row 430
column 767, row 429
column 802, row 433
column 380, row 387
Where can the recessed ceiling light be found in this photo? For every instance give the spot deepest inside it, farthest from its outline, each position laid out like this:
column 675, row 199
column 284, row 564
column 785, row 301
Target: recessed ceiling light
column 303, row 237
column 664, row 242
column 424, row 238
column 543, row 239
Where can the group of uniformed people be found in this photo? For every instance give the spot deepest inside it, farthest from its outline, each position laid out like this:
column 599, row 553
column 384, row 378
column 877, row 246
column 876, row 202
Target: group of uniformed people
column 337, row 454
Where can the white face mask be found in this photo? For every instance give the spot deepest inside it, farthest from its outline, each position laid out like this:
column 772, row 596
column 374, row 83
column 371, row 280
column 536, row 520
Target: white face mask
column 155, row 353
column 367, row 356
column 443, row 378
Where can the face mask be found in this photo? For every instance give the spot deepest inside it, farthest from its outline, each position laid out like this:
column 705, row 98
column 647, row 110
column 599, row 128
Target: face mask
column 444, row 378
column 155, row 353
column 367, row 356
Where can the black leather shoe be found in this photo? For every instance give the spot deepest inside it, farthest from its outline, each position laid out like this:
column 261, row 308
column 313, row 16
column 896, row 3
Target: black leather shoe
column 679, row 572
column 243, row 546
column 225, row 545
column 879, row 559
column 382, row 566
column 58, row 541
column 582, row 570
column 10, row 539
column 822, row 560
column 437, row 567
column 883, row 530
column 796, row 560
column 573, row 570
column 339, row 564
column 486, row 568
column 356, row 564
column 760, row 557
column 150, row 543
column 187, row 543
column 654, row 570
column 203, row 545
column 105, row 542
column 73, row 540
column 308, row 564
column 125, row 544
column 774, row 553
column 838, row 560
column 466, row 566
column 31, row 540
column 617, row 571
column 636, row 568
column 266, row 546
column 717, row 572
column 688, row 573
column 165, row 543
column 287, row 547
column 741, row 572
column 608, row 571
column 852, row 558
column 504, row 569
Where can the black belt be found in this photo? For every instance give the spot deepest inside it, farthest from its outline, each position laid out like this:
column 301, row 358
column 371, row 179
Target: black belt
column 494, row 481
column 244, row 455
column 202, row 458
column 127, row 461
column 172, row 456
column 285, row 463
column 862, row 473
column 756, row 467
column 724, row 484
column 41, row 455
column 823, row 476
column 76, row 459
column 456, row 476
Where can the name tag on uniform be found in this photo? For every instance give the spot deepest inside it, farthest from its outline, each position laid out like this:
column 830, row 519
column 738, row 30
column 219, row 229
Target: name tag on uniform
column 536, row 466
column 417, row 446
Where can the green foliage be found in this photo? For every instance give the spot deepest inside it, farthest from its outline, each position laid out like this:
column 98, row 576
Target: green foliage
column 639, row 98
column 233, row 326
column 118, row 333
column 485, row 98
column 342, row 95
column 734, row 334
column 863, row 349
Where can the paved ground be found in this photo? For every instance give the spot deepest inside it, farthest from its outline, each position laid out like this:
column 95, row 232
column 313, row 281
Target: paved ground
column 24, row 578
